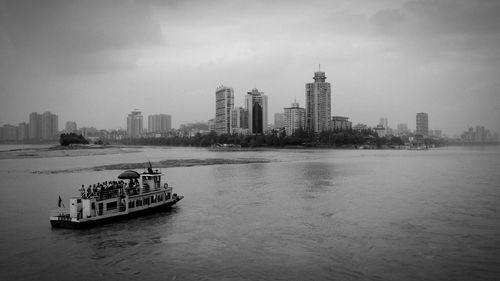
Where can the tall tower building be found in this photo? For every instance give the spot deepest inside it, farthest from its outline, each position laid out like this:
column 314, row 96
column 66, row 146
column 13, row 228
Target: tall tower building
column 134, row 124
column 224, row 103
column 239, row 120
column 23, row 131
column 35, row 127
column 43, row 126
column 159, row 123
column 50, row 125
column 279, row 120
column 422, row 124
column 318, row 103
column 480, row 135
column 256, row 104
column 295, row 118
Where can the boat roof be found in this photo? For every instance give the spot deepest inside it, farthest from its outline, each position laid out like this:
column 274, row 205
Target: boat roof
column 129, row 175
column 150, row 171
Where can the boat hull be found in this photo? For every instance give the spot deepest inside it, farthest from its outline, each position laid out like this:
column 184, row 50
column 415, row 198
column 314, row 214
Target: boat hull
column 68, row 223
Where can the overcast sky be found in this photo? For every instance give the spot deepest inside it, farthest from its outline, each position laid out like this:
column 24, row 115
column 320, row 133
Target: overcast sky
column 94, row 62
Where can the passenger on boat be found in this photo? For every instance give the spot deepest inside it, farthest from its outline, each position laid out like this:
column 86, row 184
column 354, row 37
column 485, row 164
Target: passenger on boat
column 82, row 191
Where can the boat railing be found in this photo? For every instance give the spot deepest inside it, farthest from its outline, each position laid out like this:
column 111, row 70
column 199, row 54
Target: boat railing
column 105, row 194
column 59, row 213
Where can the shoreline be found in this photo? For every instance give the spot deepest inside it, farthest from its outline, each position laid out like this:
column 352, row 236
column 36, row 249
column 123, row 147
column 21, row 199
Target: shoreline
column 60, row 151
column 171, row 163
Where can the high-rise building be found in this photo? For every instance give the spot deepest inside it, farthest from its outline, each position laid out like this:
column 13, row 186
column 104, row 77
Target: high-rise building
column 224, row 103
column 279, row 120
column 22, row 131
column 35, row 126
column 318, row 103
column 9, row 133
column 71, row 126
column 256, row 104
column 211, row 125
column 239, row 120
column 159, row 123
column 134, row 124
column 43, row 126
column 49, row 126
column 340, row 123
column 295, row 118
column 480, row 135
column 422, row 124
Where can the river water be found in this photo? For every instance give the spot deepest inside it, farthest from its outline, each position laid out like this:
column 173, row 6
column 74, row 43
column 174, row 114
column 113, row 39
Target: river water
column 306, row 215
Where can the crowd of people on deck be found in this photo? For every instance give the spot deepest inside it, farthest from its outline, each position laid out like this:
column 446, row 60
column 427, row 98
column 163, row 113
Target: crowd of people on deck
column 107, row 189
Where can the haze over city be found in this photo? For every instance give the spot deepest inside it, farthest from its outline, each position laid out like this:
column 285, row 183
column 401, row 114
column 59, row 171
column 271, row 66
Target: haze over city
column 93, row 62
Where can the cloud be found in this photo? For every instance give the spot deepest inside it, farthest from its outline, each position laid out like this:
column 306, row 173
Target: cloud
column 387, row 20
column 75, row 36
column 441, row 30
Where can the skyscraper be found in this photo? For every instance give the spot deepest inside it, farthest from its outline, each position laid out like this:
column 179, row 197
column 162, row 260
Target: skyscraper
column 35, row 126
column 279, row 120
column 318, row 103
column 224, row 103
column 422, row 124
column 23, row 131
column 256, row 104
column 134, row 124
column 295, row 118
column 480, row 135
column 159, row 123
column 43, row 126
column 49, row 125
column 239, row 120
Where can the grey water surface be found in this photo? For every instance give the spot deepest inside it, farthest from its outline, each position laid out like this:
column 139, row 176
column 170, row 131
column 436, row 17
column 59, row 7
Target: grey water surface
column 305, row 215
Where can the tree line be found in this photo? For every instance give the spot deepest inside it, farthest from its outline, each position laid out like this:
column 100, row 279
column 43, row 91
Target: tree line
column 72, row 138
column 277, row 138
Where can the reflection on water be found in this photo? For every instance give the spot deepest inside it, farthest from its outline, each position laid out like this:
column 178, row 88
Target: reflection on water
column 313, row 215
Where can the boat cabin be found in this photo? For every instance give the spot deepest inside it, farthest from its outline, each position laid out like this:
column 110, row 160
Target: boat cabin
column 122, row 196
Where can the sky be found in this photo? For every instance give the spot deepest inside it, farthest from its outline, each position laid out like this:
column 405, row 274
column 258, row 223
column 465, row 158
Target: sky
column 94, row 62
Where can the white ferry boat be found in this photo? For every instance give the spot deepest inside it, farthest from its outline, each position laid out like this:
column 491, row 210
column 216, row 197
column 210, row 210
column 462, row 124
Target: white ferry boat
column 117, row 200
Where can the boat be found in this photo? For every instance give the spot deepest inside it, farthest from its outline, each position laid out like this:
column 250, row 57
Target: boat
column 132, row 195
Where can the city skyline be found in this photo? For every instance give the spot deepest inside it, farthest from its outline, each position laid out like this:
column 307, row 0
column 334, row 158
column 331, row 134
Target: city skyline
column 388, row 58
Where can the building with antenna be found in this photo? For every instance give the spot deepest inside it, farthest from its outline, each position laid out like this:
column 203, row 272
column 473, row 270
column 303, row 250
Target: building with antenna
column 256, row 104
column 318, row 103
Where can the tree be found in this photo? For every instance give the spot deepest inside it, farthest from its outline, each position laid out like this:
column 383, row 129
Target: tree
column 72, row 138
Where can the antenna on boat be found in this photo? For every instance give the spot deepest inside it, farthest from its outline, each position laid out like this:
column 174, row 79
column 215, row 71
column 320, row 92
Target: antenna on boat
column 150, row 168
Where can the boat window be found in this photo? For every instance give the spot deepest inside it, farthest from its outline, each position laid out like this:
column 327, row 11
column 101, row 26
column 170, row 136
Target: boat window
column 146, row 201
column 160, row 197
column 131, row 204
column 153, row 199
column 111, row 205
column 138, row 202
column 168, row 196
